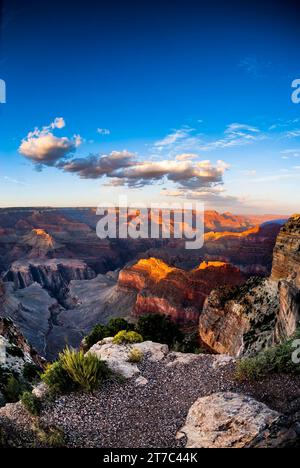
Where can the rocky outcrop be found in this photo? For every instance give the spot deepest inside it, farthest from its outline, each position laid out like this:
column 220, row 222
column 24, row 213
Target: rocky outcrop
column 240, row 321
column 229, row 420
column 288, row 319
column 286, row 270
column 52, row 274
column 171, row 291
column 40, row 242
column 117, row 357
column 286, row 257
column 246, row 320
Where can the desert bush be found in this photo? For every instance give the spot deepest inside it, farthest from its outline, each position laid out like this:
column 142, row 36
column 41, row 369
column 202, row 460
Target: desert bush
column 31, row 403
column 126, row 337
column 276, row 360
column 159, row 328
column 31, row 371
column 100, row 332
column 135, row 355
column 57, row 379
column 12, row 389
column 86, row 370
column 118, row 324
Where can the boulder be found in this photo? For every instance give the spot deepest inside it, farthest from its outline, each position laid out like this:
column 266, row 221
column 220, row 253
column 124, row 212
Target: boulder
column 229, row 420
column 117, row 356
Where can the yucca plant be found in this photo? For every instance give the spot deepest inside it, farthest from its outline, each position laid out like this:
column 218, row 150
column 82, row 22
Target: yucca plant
column 84, row 369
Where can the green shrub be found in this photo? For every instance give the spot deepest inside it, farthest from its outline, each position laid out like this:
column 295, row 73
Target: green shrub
column 86, row 370
column 118, row 324
column 31, row 403
column 31, row 371
column 135, row 355
column 277, row 360
column 57, row 379
column 12, row 389
column 124, row 337
column 159, row 328
column 14, row 351
column 98, row 333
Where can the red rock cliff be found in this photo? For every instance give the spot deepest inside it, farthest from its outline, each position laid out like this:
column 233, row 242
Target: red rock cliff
column 174, row 292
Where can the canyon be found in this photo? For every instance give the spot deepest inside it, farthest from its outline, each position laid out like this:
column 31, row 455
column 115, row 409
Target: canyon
column 50, row 298
column 58, row 280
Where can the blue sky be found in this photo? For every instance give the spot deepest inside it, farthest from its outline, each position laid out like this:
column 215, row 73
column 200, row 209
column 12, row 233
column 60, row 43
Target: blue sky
column 161, row 102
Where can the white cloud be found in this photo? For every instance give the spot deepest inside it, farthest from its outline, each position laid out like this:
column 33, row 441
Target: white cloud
column 44, row 148
column 103, row 131
column 187, row 141
column 235, row 134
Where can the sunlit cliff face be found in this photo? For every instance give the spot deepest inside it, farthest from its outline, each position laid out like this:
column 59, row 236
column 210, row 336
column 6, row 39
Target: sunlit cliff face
column 212, row 236
column 206, row 265
column 155, row 268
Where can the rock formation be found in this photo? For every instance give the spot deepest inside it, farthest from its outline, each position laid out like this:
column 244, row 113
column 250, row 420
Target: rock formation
column 264, row 312
column 171, row 291
column 52, row 274
column 238, row 321
column 286, row 270
column 250, row 250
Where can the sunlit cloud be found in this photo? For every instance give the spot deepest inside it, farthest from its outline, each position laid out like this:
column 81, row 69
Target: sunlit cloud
column 42, row 147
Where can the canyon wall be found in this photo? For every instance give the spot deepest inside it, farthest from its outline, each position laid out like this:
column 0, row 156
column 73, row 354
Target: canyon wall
column 52, row 274
column 263, row 312
column 171, row 291
column 286, row 270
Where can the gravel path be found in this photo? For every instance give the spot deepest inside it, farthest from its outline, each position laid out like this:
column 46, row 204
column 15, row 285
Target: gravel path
column 123, row 415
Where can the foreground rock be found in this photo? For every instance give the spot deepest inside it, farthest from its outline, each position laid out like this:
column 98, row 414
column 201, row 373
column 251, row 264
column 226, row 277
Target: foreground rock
column 117, row 357
column 229, row 420
column 148, row 409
